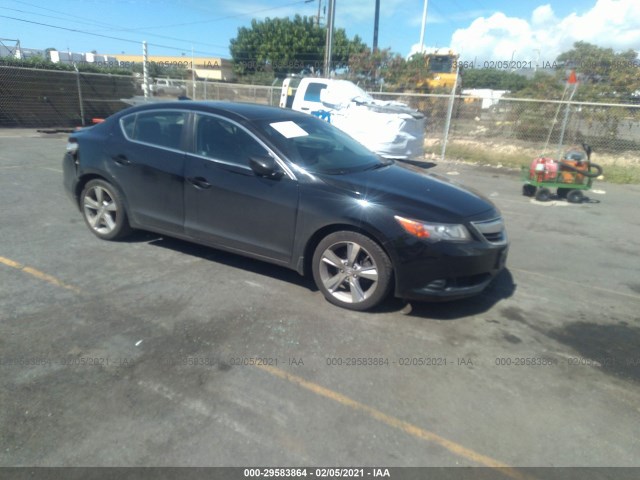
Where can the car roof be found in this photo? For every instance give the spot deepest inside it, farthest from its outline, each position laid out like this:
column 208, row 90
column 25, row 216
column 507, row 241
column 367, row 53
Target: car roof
column 236, row 110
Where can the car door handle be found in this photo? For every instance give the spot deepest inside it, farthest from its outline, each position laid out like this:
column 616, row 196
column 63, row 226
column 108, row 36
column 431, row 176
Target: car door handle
column 304, row 108
column 121, row 160
column 199, row 182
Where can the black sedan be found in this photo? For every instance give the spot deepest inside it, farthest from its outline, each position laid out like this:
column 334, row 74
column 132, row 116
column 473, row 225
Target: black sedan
column 287, row 188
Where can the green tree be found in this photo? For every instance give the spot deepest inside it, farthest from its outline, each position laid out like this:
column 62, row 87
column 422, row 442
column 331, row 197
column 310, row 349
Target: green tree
column 602, row 72
column 368, row 65
column 494, row 79
column 543, row 86
column 284, row 45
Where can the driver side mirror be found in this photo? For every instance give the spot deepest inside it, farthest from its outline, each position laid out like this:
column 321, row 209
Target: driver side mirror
column 265, row 167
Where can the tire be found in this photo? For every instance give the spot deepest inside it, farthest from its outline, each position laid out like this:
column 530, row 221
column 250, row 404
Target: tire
column 528, row 190
column 352, row 271
column 575, row 196
column 103, row 210
column 543, row 195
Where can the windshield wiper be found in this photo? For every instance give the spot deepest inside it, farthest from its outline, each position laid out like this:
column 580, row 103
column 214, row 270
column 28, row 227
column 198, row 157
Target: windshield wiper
column 380, row 165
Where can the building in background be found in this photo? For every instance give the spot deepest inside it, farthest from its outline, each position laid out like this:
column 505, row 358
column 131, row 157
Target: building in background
column 205, row 68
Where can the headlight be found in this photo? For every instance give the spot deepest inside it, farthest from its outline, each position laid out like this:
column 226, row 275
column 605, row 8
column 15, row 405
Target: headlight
column 435, row 232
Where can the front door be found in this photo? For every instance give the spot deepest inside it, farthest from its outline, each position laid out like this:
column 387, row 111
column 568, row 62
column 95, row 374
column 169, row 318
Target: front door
column 227, row 203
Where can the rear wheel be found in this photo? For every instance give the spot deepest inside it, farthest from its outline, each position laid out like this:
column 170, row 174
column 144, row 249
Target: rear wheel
column 103, row 210
column 351, row 270
column 543, row 195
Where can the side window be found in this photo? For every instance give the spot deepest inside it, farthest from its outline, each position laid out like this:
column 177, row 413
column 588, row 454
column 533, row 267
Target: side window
column 220, row 139
column 163, row 128
column 313, row 92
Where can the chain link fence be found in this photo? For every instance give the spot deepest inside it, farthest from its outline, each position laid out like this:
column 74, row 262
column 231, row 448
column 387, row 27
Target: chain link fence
column 206, row 90
column 513, row 131
column 509, row 130
column 36, row 98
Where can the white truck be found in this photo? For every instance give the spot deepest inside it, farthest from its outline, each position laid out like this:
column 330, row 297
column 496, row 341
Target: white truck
column 165, row 86
column 390, row 129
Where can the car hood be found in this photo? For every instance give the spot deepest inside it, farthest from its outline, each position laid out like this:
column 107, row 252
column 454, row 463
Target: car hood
column 409, row 191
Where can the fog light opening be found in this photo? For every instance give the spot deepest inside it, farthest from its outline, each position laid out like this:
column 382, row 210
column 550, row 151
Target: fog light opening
column 439, row 284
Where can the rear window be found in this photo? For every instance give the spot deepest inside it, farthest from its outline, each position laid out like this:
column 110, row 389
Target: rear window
column 313, row 92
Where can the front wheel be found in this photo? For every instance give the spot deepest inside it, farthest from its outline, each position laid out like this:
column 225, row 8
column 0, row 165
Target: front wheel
column 575, row 196
column 103, row 210
column 351, row 270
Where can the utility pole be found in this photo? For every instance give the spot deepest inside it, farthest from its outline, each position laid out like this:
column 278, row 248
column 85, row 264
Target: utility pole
column 329, row 44
column 376, row 23
column 424, row 25
column 319, row 8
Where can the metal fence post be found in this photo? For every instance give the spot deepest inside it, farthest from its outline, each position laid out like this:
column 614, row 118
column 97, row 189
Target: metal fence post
column 79, row 94
column 145, row 71
column 449, row 114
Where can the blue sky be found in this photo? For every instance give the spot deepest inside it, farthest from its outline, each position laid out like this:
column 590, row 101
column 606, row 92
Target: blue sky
column 478, row 29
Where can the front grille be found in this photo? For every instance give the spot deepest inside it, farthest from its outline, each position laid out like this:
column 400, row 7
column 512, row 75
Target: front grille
column 492, row 230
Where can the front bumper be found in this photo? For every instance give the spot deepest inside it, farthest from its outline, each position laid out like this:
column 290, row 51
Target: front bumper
column 447, row 271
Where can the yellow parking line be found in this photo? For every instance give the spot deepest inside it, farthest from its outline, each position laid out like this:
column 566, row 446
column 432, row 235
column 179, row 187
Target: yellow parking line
column 396, row 423
column 38, row 274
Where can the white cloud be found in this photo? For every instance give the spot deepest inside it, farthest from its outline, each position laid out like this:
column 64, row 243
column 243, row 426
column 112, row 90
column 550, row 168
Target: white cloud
column 542, row 16
column 609, row 23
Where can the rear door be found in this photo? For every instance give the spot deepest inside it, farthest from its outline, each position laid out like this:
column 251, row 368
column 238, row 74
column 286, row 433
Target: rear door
column 227, row 203
column 147, row 161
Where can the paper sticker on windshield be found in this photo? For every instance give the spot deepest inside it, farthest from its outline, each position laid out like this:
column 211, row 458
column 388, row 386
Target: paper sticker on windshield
column 289, row 129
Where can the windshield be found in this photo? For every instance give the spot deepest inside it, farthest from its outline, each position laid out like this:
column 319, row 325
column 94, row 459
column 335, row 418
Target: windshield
column 319, row 147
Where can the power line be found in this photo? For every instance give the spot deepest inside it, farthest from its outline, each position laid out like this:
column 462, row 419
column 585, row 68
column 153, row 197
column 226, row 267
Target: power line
column 102, row 24
column 127, row 40
column 225, row 17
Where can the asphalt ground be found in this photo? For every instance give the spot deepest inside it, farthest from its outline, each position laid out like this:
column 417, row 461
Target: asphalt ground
column 157, row 352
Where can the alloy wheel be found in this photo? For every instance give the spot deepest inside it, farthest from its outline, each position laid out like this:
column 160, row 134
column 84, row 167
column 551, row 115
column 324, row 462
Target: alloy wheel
column 348, row 272
column 100, row 210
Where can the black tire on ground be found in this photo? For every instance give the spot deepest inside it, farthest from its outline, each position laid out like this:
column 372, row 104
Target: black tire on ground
column 543, row 195
column 575, row 196
column 103, row 210
column 351, row 270
column 528, row 190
